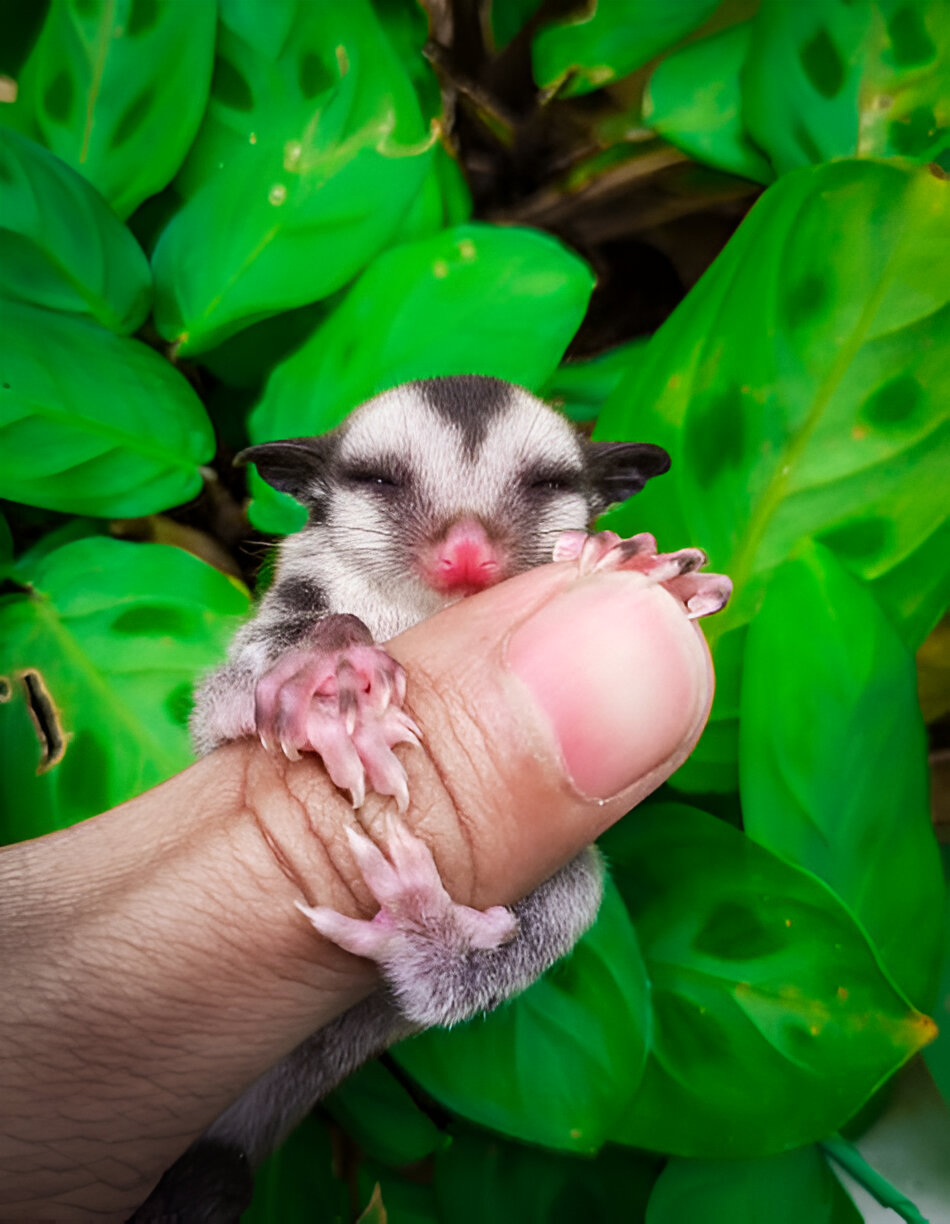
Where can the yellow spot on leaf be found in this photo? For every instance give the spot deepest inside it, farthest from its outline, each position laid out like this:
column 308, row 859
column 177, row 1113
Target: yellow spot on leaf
column 277, row 194
column 440, row 269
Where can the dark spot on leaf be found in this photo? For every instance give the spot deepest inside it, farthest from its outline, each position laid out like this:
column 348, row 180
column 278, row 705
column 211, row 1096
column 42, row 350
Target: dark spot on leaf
column 88, row 8
column 733, row 932
column 915, row 132
column 153, row 620
column 143, row 16
column 862, row 540
column 823, row 65
column 806, row 142
column 45, row 718
column 58, row 99
column 83, row 778
column 909, row 38
column 894, row 402
column 6, row 174
column 715, row 437
column 135, row 112
column 179, row 703
column 313, row 76
column 6, row 689
column 805, row 300
column 229, row 86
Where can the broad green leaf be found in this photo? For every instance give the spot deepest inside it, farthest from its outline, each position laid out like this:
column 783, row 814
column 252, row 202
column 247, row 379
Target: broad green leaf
column 773, row 1020
column 297, row 1185
column 833, row 759
column 101, row 650
column 835, row 80
column 91, row 422
column 379, row 1114
column 802, row 390
column 116, row 88
column 61, row 246
column 556, row 1065
column 694, row 100
column 482, row 1178
column 607, row 39
column 580, row 388
column 311, row 153
column 794, row 1187
column 473, row 299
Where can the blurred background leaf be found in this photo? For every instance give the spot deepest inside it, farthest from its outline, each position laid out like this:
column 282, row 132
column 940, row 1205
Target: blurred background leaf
column 116, row 88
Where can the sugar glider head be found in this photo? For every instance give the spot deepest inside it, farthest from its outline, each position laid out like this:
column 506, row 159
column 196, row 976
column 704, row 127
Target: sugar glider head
column 459, row 482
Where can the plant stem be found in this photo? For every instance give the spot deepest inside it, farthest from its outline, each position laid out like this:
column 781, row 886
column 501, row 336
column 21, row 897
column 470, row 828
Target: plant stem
column 850, row 1159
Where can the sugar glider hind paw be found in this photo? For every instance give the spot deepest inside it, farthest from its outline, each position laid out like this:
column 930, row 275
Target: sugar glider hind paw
column 418, row 929
column 702, row 594
column 346, row 705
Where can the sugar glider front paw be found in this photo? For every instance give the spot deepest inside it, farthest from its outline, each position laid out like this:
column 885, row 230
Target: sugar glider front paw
column 343, row 700
column 427, row 945
column 702, row 594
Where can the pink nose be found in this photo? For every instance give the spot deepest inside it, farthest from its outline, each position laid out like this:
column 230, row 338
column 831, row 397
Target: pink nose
column 464, row 561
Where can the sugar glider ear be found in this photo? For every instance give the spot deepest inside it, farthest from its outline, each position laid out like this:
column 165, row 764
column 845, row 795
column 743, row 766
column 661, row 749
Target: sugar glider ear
column 617, row 470
column 294, row 465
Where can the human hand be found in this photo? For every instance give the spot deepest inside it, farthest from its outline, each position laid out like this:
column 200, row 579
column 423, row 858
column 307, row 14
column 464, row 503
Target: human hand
column 156, row 963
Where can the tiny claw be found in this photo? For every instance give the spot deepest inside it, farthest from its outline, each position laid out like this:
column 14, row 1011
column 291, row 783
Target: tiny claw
column 289, row 751
column 265, row 742
column 358, row 794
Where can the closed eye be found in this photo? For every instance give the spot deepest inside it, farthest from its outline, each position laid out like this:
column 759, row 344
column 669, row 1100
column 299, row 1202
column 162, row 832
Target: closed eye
column 561, row 481
column 375, row 478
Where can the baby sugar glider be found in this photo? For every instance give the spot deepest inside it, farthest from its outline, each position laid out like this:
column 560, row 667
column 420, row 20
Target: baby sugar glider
column 426, row 494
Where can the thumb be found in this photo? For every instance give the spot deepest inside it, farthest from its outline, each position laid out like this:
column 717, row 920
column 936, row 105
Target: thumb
column 549, row 705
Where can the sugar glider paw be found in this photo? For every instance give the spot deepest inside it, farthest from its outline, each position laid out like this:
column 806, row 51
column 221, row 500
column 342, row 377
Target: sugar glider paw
column 702, row 594
column 418, row 922
column 346, row 705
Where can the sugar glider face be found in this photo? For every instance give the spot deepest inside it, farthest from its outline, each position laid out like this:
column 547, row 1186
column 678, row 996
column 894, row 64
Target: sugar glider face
column 460, row 482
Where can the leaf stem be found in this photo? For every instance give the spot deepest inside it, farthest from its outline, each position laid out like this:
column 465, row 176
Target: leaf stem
column 850, row 1159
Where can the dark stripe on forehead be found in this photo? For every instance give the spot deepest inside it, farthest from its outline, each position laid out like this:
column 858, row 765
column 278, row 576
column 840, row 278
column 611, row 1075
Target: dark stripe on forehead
column 469, row 401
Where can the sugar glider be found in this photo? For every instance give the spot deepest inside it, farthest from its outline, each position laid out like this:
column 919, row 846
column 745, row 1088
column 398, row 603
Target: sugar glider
column 426, row 494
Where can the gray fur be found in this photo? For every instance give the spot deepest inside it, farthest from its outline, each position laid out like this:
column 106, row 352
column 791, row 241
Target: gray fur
column 442, row 449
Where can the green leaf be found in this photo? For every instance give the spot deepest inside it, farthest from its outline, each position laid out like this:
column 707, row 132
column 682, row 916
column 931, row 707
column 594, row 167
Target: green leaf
column 833, row 759
column 312, row 150
column 556, row 1065
column 380, row 1115
column 297, row 1185
column 580, row 388
column 773, row 1020
column 835, row 80
column 607, row 39
column 694, row 100
column 801, row 390
column 61, row 246
column 791, row 1188
column 116, row 88
column 102, row 651
column 455, row 303
column 484, row 1178
column 91, row 422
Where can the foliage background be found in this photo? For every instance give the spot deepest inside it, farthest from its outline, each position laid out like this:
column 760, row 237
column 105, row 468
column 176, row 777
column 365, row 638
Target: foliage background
column 230, row 222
